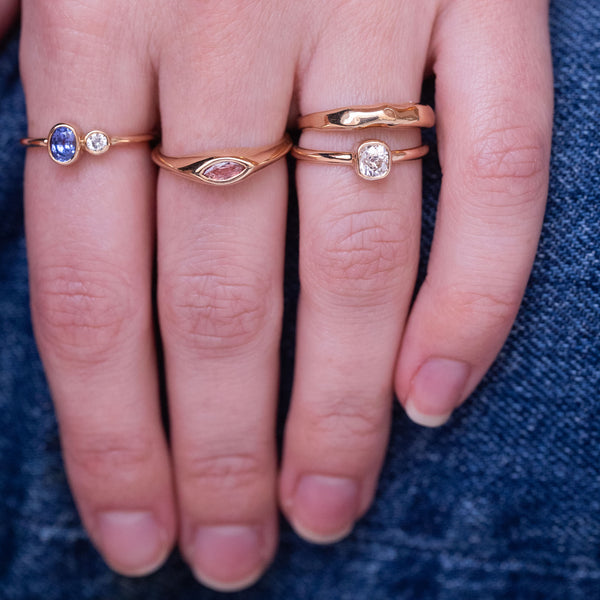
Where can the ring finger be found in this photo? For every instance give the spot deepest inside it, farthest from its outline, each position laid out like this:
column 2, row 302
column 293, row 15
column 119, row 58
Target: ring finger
column 359, row 243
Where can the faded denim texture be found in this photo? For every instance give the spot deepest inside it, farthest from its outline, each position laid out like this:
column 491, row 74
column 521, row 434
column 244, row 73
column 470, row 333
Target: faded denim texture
column 504, row 502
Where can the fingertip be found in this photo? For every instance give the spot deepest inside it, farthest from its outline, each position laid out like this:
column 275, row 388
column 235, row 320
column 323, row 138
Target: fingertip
column 133, row 543
column 436, row 389
column 423, row 419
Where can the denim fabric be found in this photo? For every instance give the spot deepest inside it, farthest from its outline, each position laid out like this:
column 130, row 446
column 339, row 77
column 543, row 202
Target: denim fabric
column 504, row 502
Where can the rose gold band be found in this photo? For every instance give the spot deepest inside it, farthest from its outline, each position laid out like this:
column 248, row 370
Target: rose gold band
column 372, row 159
column 225, row 166
column 359, row 117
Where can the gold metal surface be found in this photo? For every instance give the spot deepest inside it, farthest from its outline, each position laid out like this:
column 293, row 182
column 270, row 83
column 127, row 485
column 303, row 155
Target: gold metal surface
column 359, row 117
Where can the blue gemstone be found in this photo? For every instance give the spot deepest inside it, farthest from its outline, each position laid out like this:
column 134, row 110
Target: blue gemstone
column 63, row 144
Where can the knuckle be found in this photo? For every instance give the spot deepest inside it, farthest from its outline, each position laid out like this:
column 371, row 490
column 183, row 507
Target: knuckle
column 347, row 421
column 358, row 254
column 69, row 26
column 507, row 161
column 215, row 311
column 82, row 311
column 490, row 309
column 111, row 454
column 231, row 471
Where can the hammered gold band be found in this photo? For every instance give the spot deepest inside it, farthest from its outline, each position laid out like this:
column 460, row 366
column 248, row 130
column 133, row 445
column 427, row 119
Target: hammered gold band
column 225, row 166
column 380, row 115
column 372, row 159
column 65, row 143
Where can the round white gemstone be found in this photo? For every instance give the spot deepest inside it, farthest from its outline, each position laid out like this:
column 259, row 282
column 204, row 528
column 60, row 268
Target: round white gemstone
column 96, row 142
column 373, row 160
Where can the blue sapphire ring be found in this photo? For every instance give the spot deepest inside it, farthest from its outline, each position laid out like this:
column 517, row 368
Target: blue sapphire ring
column 64, row 143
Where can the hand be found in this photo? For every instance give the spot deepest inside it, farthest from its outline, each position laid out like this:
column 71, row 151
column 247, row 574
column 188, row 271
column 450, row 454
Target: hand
column 225, row 74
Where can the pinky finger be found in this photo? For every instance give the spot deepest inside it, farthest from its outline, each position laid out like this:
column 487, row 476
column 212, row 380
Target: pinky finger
column 495, row 161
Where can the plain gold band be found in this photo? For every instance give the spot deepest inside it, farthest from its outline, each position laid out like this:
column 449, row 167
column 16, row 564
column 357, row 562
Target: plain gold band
column 243, row 162
column 360, row 117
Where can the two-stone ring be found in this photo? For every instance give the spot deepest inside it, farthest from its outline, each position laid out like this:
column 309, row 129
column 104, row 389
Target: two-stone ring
column 64, row 143
column 372, row 159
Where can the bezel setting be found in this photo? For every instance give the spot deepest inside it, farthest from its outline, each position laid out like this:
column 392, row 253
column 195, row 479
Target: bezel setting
column 373, row 160
column 76, row 142
column 96, row 139
column 211, row 165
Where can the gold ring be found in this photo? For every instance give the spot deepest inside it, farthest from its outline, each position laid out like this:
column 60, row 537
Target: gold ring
column 225, row 166
column 372, row 159
column 359, row 117
column 64, row 143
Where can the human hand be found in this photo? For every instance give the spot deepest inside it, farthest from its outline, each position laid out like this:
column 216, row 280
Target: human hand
column 225, row 74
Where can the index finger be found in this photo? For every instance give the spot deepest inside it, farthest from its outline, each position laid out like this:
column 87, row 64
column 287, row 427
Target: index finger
column 90, row 247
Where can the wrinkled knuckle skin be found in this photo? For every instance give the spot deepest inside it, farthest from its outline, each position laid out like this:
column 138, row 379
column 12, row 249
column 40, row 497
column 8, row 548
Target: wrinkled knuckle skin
column 347, row 422
column 229, row 471
column 82, row 312
column 210, row 311
column 99, row 458
column 487, row 309
column 357, row 255
column 508, row 162
column 73, row 28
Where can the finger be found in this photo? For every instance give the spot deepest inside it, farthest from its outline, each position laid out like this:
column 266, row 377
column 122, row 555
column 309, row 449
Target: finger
column 358, row 257
column 494, row 101
column 220, row 257
column 89, row 232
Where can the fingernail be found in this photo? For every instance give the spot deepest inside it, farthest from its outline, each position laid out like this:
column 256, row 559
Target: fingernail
column 228, row 558
column 324, row 508
column 436, row 390
column 132, row 542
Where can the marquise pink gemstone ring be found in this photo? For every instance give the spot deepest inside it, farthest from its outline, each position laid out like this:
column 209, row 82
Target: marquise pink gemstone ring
column 225, row 166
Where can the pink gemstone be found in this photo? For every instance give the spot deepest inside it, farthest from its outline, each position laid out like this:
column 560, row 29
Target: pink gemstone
column 224, row 170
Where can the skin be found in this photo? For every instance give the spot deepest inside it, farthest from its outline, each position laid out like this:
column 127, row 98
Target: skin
column 234, row 74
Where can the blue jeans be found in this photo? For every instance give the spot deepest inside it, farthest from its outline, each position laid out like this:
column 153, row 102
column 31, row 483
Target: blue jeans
column 503, row 502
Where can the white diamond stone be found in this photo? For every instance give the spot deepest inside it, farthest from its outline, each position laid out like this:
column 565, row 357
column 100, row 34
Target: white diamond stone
column 96, row 142
column 373, row 160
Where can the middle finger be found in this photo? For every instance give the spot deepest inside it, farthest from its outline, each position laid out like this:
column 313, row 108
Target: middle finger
column 220, row 256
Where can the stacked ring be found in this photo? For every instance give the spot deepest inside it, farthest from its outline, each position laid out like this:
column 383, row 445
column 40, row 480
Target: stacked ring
column 372, row 159
column 359, row 117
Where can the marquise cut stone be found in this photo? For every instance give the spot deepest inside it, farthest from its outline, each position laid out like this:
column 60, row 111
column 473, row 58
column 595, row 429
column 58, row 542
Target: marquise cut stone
column 96, row 142
column 373, row 160
column 224, row 170
column 63, row 144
